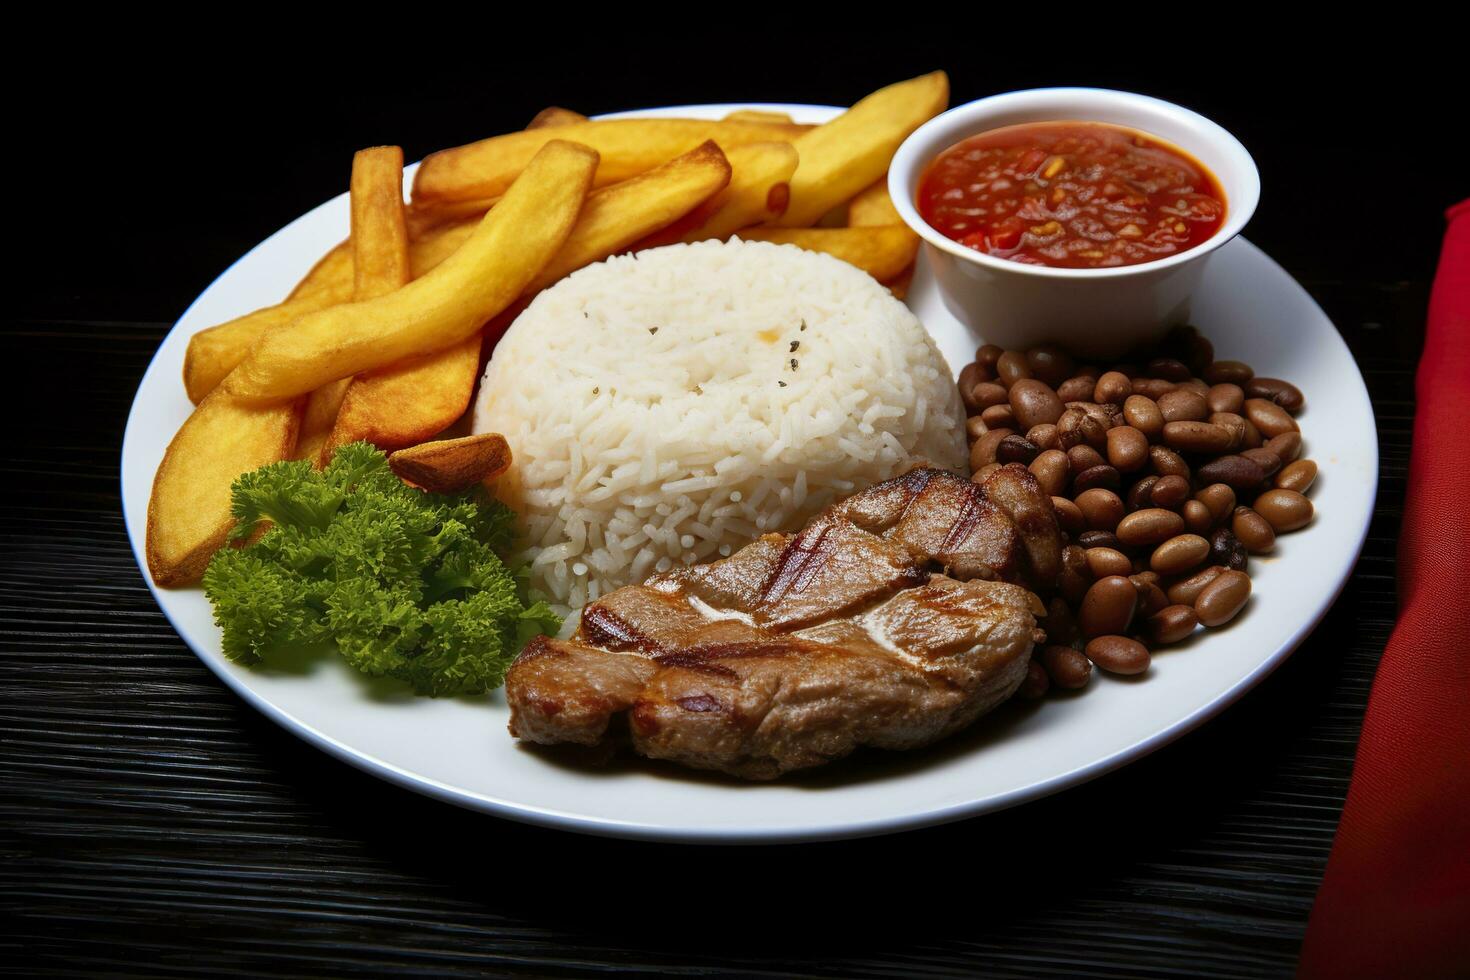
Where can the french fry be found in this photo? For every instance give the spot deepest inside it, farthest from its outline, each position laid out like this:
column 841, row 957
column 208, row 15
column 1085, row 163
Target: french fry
column 189, row 516
column 628, row 147
column 882, row 253
column 452, row 465
column 380, row 263
column 407, row 402
column 216, row 351
column 618, row 216
column 423, row 218
column 507, row 250
column 757, row 192
column 555, row 115
column 840, row 158
column 873, row 208
column 757, row 115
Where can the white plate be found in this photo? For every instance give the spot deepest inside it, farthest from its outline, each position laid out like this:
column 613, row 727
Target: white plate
column 459, row 751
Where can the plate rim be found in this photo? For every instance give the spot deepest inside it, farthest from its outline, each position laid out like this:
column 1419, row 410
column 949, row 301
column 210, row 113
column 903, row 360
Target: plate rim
column 789, row 833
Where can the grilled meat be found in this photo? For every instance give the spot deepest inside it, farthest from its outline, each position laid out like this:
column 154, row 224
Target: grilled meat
column 895, row 618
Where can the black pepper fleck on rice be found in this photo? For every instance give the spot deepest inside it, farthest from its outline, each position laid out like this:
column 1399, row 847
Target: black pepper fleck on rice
column 795, row 344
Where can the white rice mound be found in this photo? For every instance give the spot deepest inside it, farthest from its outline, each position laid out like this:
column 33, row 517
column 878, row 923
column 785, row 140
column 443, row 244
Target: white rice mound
column 669, row 407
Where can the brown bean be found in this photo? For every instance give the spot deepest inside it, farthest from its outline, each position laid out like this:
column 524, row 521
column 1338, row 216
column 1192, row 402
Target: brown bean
column 1015, row 449
column 1187, row 590
column 1152, row 388
column 969, row 378
column 1196, row 437
column 1107, row 607
column 1232, row 423
column 1127, row 448
column 1167, row 368
column 988, row 393
column 1268, row 461
column 1179, row 554
column 1098, row 539
column 1223, row 598
column 1151, row 526
column 1143, row 414
column 1183, row 405
column 1034, row 403
column 1045, row 436
column 1268, row 417
column 1141, row 494
column 1229, row 373
column 1084, row 458
column 1287, row 446
column 1226, row 398
column 1051, row 365
column 998, row 416
column 1283, row 393
column 1011, row 367
column 1102, row 509
column 1103, row 562
column 1069, row 428
column 1253, row 531
column 1051, row 471
column 1075, row 579
column 1253, row 438
column 1112, row 388
column 1060, row 624
column 1151, row 597
column 1094, row 477
column 1076, row 389
column 1166, row 462
column 1199, row 354
column 1226, row 549
column 1118, row 654
column 1170, row 492
column 987, row 354
column 1069, row 515
column 1171, row 624
column 975, row 427
column 984, row 449
column 1035, row 684
column 1198, row 387
column 1219, row 498
column 1067, row 668
column 1197, row 517
column 1298, row 476
column 1286, row 510
column 1240, row 472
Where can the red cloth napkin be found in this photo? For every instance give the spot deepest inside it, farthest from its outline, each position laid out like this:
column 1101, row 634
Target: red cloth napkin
column 1395, row 901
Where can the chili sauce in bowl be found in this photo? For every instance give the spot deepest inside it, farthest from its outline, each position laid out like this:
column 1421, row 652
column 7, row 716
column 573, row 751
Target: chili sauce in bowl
column 1071, row 195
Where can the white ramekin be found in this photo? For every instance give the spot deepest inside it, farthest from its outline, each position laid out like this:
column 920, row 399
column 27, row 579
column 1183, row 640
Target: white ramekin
column 1092, row 312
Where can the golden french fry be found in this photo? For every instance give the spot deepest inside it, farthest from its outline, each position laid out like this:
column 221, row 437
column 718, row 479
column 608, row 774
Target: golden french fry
column 840, row 158
column 757, row 115
column 882, row 253
column 616, row 217
column 757, row 192
column 873, row 208
column 408, row 402
column 189, row 516
column 380, row 264
column 555, row 115
column 511, row 245
column 329, row 275
column 424, row 218
column 452, row 465
column 216, row 351
column 628, row 147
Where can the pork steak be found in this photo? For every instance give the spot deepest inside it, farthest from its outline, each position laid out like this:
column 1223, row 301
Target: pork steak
column 894, row 619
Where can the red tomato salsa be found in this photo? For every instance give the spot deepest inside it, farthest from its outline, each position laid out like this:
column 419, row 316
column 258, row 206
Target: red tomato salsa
column 1072, row 195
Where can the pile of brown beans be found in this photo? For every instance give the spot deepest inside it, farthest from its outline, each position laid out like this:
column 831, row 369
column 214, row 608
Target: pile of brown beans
column 1166, row 473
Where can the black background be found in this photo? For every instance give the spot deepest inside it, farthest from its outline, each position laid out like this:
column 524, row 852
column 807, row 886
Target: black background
column 151, row 823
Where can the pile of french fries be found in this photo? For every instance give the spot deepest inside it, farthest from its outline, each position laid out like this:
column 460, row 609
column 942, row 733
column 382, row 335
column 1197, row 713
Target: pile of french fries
column 383, row 339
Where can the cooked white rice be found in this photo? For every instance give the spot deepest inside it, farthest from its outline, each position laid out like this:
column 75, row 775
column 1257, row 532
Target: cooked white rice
column 670, row 407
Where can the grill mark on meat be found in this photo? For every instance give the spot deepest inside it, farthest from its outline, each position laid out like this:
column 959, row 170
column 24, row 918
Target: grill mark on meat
column 964, row 524
column 915, row 482
column 800, row 560
column 604, row 628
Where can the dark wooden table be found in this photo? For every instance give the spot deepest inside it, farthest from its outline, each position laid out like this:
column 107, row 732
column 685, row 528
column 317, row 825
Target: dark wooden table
column 153, row 824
